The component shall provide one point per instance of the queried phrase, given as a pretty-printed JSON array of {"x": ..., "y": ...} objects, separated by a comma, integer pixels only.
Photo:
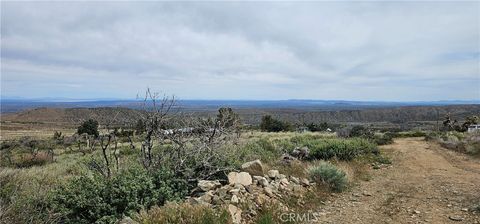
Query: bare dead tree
[
  {"x": 108, "y": 143},
  {"x": 105, "y": 141},
  {"x": 189, "y": 145},
  {"x": 198, "y": 147},
  {"x": 157, "y": 108},
  {"x": 115, "y": 154}
]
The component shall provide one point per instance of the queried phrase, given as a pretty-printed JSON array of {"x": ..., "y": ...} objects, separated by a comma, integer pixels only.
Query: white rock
[
  {"x": 273, "y": 173},
  {"x": 234, "y": 199},
  {"x": 242, "y": 178}
]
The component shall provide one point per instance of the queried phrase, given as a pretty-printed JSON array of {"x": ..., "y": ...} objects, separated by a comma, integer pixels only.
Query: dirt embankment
[{"x": 426, "y": 184}]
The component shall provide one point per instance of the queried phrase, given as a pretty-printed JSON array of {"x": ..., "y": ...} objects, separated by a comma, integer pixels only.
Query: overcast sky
[{"x": 354, "y": 51}]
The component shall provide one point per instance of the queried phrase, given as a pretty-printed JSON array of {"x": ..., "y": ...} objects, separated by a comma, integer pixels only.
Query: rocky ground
[
  {"x": 249, "y": 190},
  {"x": 425, "y": 184}
]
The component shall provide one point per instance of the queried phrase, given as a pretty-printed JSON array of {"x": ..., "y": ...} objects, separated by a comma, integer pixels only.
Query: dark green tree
[
  {"x": 469, "y": 121},
  {"x": 89, "y": 127},
  {"x": 271, "y": 124},
  {"x": 317, "y": 127}
]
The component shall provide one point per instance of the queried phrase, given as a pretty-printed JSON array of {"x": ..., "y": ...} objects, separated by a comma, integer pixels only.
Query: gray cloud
[{"x": 323, "y": 50}]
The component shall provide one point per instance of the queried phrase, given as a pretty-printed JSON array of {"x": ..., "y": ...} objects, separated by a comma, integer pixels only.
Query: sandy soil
[{"x": 425, "y": 184}]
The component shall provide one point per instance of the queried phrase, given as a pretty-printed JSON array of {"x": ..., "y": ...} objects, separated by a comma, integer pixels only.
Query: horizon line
[{"x": 68, "y": 100}]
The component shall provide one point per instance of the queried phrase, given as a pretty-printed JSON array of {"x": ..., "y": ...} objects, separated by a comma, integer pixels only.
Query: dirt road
[{"x": 425, "y": 184}]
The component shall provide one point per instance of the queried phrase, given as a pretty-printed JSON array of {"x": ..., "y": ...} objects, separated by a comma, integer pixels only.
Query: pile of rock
[
  {"x": 299, "y": 153},
  {"x": 251, "y": 188}
]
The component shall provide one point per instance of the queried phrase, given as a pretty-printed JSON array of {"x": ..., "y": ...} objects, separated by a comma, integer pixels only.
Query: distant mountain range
[
  {"x": 12, "y": 105},
  {"x": 122, "y": 115}
]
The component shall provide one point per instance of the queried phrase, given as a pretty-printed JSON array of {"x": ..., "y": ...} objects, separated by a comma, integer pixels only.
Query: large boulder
[
  {"x": 242, "y": 178},
  {"x": 207, "y": 185},
  {"x": 253, "y": 167}
]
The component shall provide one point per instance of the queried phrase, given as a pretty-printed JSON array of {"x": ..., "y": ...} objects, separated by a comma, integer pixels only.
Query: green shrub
[
  {"x": 271, "y": 124},
  {"x": 89, "y": 127},
  {"x": 343, "y": 149},
  {"x": 26, "y": 152},
  {"x": 355, "y": 131},
  {"x": 361, "y": 131},
  {"x": 304, "y": 139},
  {"x": 283, "y": 145},
  {"x": 384, "y": 139},
  {"x": 320, "y": 126},
  {"x": 262, "y": 149},
  {"x": 473, "y": 148},
  {"x": 328, "y": 174},
  {"x": 95, "y": 199},
  {"x": 265, "y": 218},
  {"x": 468, "y": 143},
  {"x": 382, "y": 159},
  {"x": 270, "y": 213},
  {"x": 410, "y": 134},
  {"x": 40, "y": 158}
]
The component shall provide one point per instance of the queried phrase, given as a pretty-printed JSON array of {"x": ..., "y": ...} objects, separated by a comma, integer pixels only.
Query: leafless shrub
[
  {"x": 26, "y": 152},
  {"x": 344, "y": 132},
  {"x": 191, "y": 146}
]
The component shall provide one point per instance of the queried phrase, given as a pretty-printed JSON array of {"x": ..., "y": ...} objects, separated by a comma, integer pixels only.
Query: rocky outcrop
[
  {"x": 301, "y": 152},
  {"x": 247, "y": 190}
]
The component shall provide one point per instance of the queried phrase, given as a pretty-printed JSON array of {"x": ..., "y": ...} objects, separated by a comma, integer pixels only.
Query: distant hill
[
  {"x": 121, "y": 115},
  {"x": 16, "y": 105},
  {"x": 73, "y": 116},
  {"x": 387, "y": 114}
]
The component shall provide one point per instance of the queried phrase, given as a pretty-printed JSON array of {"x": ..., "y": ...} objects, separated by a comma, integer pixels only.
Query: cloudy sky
[{"x": 354, "y": 51}]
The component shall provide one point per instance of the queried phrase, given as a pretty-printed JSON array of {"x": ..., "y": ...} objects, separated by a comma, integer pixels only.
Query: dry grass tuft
[{"x": 184, "y": 213}]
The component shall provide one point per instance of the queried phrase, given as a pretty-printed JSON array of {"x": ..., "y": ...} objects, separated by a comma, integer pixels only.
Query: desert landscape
[
  {"x": 240, "y": 112},
  {"x": 348, "y": 168}
]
